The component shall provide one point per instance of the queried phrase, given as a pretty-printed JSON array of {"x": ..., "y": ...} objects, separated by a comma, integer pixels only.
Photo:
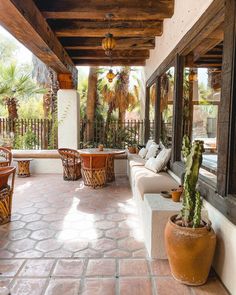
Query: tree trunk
[
  {"x": 121, "y": 116},
  {"x": 12, "y": 108},
  {"x": 109, "y": 113},
  {"x": 47, "y": 104},
  {"x": 91, "y": 102}
]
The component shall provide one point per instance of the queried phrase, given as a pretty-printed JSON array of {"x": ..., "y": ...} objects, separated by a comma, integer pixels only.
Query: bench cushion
[{"x": 147, "y": 181}]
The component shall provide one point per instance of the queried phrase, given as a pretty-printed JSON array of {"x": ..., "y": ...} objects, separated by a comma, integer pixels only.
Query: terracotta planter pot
[
  {"x": 132, "y": 150},
  {"x": 190, "y": 252},
  {"x": 8, "y": 147},
  {"x": 175, "y": 195}
]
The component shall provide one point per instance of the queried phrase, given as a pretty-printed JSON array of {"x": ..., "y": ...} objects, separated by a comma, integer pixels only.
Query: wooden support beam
[
  {"x": 116, "y": 54},
  {"x": 177, "y": 131},
  {"x": 226, "y": 172},
  {"x": 147, "y": 116},
  {"x": 75, "y": 28},
  {"x": 25, "y": 22},
  {"x": 210, "y": 42},
  {"x": 106, "y": 62},
  {"x": 158, "y": 110},
  {"x": 97, "y": 9},
  {"x": 65, "y": 81},
  {"x": 96, "y": 43}
]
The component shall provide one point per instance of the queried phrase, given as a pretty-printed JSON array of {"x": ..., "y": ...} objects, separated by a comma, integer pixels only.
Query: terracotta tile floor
[{"x": 67, "y": 239}]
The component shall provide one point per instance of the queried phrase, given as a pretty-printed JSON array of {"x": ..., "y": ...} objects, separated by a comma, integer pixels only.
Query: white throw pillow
[
  {"x": 152, "y": 151},
  {"x": 162, "y": 159},
  {"x": 142, "y": 153},
  {"x": 151, "y": 164},
  {"x": 149, "y": 143}
]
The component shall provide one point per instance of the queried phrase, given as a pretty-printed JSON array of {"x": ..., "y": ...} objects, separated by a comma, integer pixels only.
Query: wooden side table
[{"x": 23, "y": 167}]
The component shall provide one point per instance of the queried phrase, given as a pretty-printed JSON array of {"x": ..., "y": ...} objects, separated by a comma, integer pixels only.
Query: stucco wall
[
  {"x": 186, "y": 13},
  {"x": 225, "y": 256}
]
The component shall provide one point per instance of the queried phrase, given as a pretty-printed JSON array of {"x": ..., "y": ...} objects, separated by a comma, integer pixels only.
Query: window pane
[
  {"x": 152, "y": 102},
  {"x": 202, "y": 92},
  {"x": 166, "y": 106}
]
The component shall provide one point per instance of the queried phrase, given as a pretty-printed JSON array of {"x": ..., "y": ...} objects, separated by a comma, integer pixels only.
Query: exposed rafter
[
  {"x": 99, "y": 54},
  {"x": 97, "y": 9},
  {"x": 78, "y": 28},
  {"x": 106, "y": 62},
  {"x": 61, "y": 32},
  {"x": 96, "y": 43}
]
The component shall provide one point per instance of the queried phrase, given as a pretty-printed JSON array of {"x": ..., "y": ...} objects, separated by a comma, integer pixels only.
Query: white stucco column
[{"x": 68, "y": 118}]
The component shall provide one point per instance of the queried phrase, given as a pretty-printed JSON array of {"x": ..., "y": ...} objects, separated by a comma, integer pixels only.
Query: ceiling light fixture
[{"x": 109, "y": 43}]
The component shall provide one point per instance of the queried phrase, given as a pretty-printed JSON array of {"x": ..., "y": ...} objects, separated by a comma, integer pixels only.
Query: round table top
[
  {"x": 22, "y": 159},
  {"x": 95, "y": 151}
]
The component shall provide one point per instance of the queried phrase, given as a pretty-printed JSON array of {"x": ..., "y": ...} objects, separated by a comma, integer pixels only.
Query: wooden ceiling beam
[
  {"x": 25, "y": 22},
  {"x": 215, "y": 38},
  {"x": 100, "y": 54},
  {"x": 69, "y": 28},
  {"x": 96, "y": 43},
  {"x": 212, "y": 54},
  {"x": 105, "y": 62},
  {"x": 97, "y": 9}
]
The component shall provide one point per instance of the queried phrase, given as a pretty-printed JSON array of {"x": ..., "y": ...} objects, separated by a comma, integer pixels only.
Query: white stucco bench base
[{"x": 157, "y": 211}]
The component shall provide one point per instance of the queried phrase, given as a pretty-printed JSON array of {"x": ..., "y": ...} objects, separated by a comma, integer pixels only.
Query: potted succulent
[{"x": 190, "y": 241}]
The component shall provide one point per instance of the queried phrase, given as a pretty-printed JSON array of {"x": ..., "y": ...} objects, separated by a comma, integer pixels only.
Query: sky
[{"x": 23, "y": 55}]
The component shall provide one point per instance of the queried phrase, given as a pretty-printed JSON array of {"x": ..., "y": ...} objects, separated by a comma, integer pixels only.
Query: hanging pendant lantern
[
  {"x": 110, "y": 76},
  {"x": 193, "y": 76},
  {"x": 108, "y": 44}
]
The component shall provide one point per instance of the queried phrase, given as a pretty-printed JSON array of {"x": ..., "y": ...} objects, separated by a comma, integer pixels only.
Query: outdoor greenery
[
  {"x": 28, "y": 91},
  {"x": 15, "y": 87},
  {"x": 20, "y": 96},
  {"x": 112, "y": 100}
]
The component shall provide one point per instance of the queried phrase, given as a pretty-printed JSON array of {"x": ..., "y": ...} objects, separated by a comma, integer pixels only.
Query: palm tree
[
  {"x": 91, "y": 101},
  {"x": 15, "y": 86},
  {"x": 47, "y": 78},
  {"x": 119, "y": 95}
]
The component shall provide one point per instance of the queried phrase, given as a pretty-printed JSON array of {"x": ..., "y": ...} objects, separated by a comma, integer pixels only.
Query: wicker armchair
[
  {"x": 6, "y": 192},
  {"x": 94, "y": 170},
  {"x": 5, "y": 157},
  {"x": 71, "y": 164}
]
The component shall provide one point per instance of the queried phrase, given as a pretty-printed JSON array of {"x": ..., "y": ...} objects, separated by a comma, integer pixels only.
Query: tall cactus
[
  {"x": 191, "y": 211},
  {"x": 186, "y": 147}
]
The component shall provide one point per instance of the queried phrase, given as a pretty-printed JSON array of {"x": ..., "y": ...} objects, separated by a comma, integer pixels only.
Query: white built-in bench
[
  {"x": 48, "y": 161},
  {"x": 156, "y": 213}
]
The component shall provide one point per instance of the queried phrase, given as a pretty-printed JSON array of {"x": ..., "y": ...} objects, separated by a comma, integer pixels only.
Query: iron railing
[{"x": 113, "y": 134}]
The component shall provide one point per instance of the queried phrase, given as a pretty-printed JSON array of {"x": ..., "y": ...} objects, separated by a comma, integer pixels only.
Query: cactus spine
[{"x": 192, "y": 204}]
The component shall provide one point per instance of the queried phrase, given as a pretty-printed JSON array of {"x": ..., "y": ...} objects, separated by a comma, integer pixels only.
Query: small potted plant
[
  {"x": 176, "y": 193},
  {"x": 132, "y": 149},
  {"x": 190, "y": 241},
  {"x": 100, "y": 147}
]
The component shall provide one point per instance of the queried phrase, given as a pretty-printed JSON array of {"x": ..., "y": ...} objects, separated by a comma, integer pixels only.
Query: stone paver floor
[{"x": 67, "y": 239}]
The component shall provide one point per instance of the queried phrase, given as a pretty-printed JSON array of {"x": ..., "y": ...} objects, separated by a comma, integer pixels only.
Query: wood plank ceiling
[{"x": 81, "y": 25}]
